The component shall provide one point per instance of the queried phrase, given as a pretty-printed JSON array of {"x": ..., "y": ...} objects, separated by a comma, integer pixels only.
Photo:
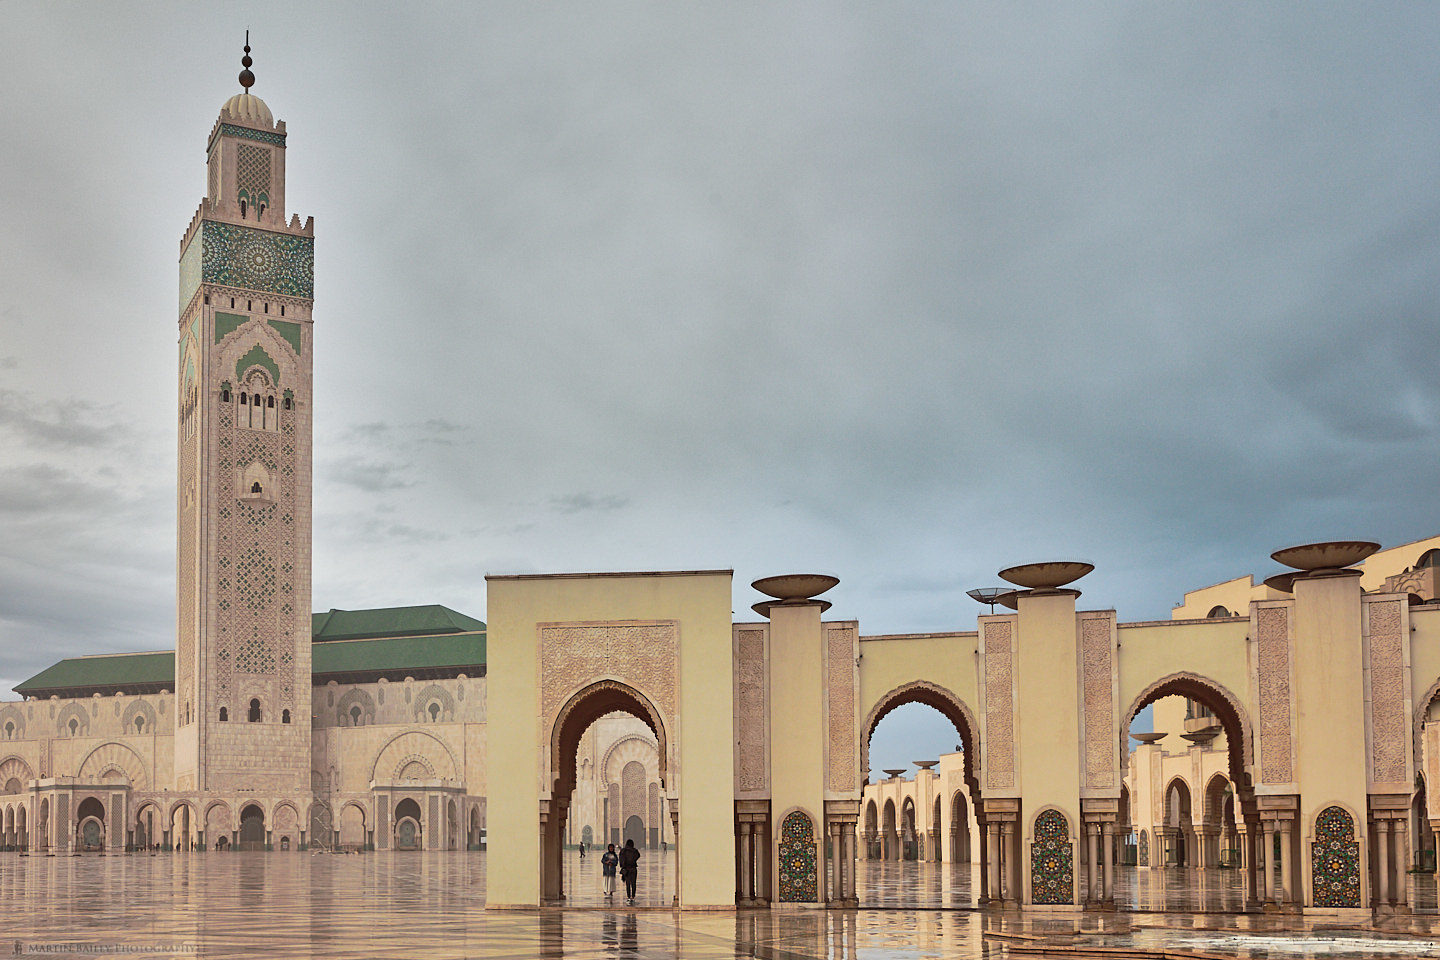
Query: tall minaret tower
[{"x": 242, "y": 664}]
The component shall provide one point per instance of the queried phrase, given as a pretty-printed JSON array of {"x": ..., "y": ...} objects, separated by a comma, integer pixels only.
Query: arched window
[
  {"x": 270, "y": 402},
  {"x": 225, "y": 394},
  {"x": 262, "y": 210},
  {"x": 284, "y": 716},
  {"x": 242, "y": 209},
  {"x": 289, "y": 403},
  {"x": 74, "y": 725},
  {"x": 434, "y": 711},
  {"x": 256, "y": 400},
  {"x": 254, "y": 711},
  {"x": 1218, "y": 611},
  {"x": 9, "y": 730},
  {"x": 224, "y": 714},
  {"x": 139, "y": 724},
  {"x": 255, "y": 487},
  {"x": 355, "y": 715},
  {"x": 1430, "y": 558},
  {"x": 244, "y": 399}
]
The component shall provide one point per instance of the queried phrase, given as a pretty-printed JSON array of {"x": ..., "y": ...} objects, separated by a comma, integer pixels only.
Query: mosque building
[
  {"x": 268, "y": 727},
  {"x": 1296, "y": 722}
]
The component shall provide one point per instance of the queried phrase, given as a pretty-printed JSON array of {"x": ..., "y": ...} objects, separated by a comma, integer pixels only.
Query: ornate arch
[
  {"x": 225, "y": 822},
  {"x": 1228, "y": 709},
  {"x": 114, "y": 756},
  {"x": 138, "y": 708},
  {"x": 583, "y": 708},
  {"x": 12, "y": 714},
  {"x": 932, "y": 695},
  {"x": 1052, "y": 858},
  {"x": 434, "y": 693},
  {"x": 800, "y": 869},
  {"x": 604, "y": 768},
  {"x": 72, "y": 711},
  {"x": 1421, "y": 708},
  {"x": 414, "y": 743},
  {"x": 355, "y": 696},
  {"x": 13, "y": 768},
  {"x": 1213, "y": 800}
]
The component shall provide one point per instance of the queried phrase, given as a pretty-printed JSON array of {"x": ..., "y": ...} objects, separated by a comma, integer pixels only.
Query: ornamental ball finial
[{"x": 247, "y": 79}]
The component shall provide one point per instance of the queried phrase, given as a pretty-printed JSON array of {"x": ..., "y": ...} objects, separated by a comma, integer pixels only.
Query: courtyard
[{"x": 433, "y": 905}]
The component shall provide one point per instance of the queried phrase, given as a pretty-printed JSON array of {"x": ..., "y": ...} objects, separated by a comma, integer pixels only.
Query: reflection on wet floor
[{"x": 432, "y": 905}]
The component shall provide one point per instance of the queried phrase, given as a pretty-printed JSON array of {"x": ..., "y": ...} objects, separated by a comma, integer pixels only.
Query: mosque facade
[{"x": 266, "y": 727}]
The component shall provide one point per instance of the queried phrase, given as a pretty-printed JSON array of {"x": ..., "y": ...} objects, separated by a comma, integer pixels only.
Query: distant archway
[
  {"x": 252, "y": 828},
  {"x": 407, "y": 825}
]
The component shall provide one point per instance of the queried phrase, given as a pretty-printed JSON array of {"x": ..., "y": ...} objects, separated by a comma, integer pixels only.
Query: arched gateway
[{"x": 763, "y": 726}]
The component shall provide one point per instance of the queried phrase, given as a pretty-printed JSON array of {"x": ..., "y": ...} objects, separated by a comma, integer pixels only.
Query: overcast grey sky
[{"x": 903, "y": 293}]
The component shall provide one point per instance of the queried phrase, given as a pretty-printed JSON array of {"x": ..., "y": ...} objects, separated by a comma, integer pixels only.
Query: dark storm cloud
[{"x": 907, "y": 294}]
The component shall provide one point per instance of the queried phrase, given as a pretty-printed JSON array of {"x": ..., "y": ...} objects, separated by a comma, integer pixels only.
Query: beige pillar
[
  {"x": 850, "y": 863},
  {"x": 1267, "y": 857},
  {"x": 1402, "y": 861},
  {"x": 1107, "y": 881},
  {"x": 1092, "y": 861},
  {"x": 837, "y": 873},
  {"x": 1287, "y": 890},
  {"x": 992, "y": 860},
  {"x": 1007, "y": 842},
  {"x": 746, "y": 893},
  {"x": 1382, "y": 830}
]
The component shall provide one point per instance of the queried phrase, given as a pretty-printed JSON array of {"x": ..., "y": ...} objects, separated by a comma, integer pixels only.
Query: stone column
[
  {"x": 747, "y": 869},
  {"x": 992, "y": 861},
  {"x": 1092, "y": 862},
  {"x": 1107, "y": 878},
  {"x": 834, "y": 894},
  {"x": 1011, "y": 891},
  {"x": 1382, "y": 830},
  {"x": 1287, "y": 890},
  {"x": 1267, "y": 846},
  {"x": 1402, "y": 862},
  {"x": 850, "y": 865}
]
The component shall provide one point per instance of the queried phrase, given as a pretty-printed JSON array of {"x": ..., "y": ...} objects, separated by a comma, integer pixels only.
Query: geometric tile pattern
[
  {"x": 1335, "y": 859},
  {"x": 1143, "y": 856},
  {"x": 1051, "y": 860},
  {"x": 258, "y": 259},
  {"x": 252, "y": 173},
  {"x": 231, "y": 130},
  {"x": 799, "y": 878}
]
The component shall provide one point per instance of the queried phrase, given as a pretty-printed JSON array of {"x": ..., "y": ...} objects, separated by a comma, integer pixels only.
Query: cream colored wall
[
  {"x": 704, "y": 780},
  {"x": 1234, "y": 595},
  {"x": 1215, "y": 649},
  {"x": 41, "y": 728},
  {"x": 1424, "y": 654},
  {"x": 1387, "y": 563},
  {"x": 949, "y": 660},
  {"x": 798, "y": 734}
]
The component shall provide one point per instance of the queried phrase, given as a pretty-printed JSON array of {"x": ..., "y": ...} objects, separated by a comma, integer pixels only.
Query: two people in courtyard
[{"x": 627, "y": 861}]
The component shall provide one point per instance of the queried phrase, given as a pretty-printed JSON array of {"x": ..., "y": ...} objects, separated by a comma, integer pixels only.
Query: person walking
[
  {"x": 608, "y": 860},
  {"x": 629, "y": 867},
  {"x": 582, "y": 849}
]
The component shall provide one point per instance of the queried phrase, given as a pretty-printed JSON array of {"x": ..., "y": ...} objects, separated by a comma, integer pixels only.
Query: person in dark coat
[
  {"x": 629, "y": 868},
  {"x": 608, "y": 860}
]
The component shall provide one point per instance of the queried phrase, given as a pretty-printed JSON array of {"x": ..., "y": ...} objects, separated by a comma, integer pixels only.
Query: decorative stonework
[
  {"x": 252, "y": 173},
  {"x": 263, "y": 136},
  {"x": 1272, "y": 657},
  {"x": 1335, "y": 859},
  {"x": 999, "y": 703},
  {"x": 1052, "y": 879},
  {"x": 257, "y": 259},
  {"x": 1142, "y": 856},
  {"x": 1389, "y": 718},
  {"x": 750, "y": 772},
  {"x": 841, "y": 709},
  {"x": 644, "y": 656},
  {"x": 799, "y": 874},
  {"x": 1097, "y": 666}
]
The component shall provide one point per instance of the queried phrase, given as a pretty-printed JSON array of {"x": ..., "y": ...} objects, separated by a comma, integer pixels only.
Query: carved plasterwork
[
  {"x": 1272, "y": 682},
  {"x": 997, "y": 648},
  {"x": 1097, "y": 685},
  {"x": 1389, "y": 710},
  {"x": 644, "y": 655},
  {"x": 841, "y": 692},
  {"x": 752, "y": 774}
]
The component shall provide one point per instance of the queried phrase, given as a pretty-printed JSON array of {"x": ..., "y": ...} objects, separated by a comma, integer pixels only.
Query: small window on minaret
[
  {"x": 284, "y": 716},
  {"x": 242, "y": 209},
  {"x": 254, "y": 711},
  {"x": 244, "y": 399},
  {"x": 255, "y": 399},
  {"x": 224, "y": 715},
  {"x": 262, "y": 211},
  {"x": 267, "y": 307},
  {"x": 270, "y": 402},
  {"x": 282, "y": 309},
  {"x": 256, "y": 488},
  {"x": 225, "y": 394},
  {"x": 288, "y": 403}
]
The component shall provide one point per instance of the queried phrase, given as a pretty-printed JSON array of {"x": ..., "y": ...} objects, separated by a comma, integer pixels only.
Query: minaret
[{"x": 242, "y": 665}]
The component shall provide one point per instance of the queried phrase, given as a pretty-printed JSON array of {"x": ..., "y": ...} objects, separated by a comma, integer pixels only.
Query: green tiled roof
[
  {"x": 426, "y": 620},
  {"x": 420, "y": 642},
  {"x": 106, "y": 673}
]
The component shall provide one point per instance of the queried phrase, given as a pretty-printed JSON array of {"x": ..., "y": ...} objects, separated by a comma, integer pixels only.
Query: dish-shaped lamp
[
  {"x": 795, "y": 587},
  {"x": 1330, "y": 555},
  {"x": 1049, "y": 575}
]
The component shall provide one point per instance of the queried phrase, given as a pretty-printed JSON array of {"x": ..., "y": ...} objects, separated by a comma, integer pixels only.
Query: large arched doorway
[
  {"x": 872, "y": 831},
  {"x": 407, "y": 825},
  {"x": 583, "y": 709},
  {"x": 252, "y": 828},
  {"x": 935, "y": 870},
  {"x": 90, "y": 825},
  {"x": 1205, "y": 725}
]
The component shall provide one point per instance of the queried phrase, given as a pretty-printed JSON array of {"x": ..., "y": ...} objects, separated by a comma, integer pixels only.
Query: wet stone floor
[{"x": 433, "y": 905}]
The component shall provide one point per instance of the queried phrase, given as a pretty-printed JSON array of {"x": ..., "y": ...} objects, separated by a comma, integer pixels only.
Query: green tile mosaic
[
  {"x": 257, "y": 355},
  {"x": 258, "y": 259},
  {"x": 190, "y": 262},
  {"x": 234, "y": 130},
  {"x": 290, "y": 331},
  {"x": 227, "y": 323}
]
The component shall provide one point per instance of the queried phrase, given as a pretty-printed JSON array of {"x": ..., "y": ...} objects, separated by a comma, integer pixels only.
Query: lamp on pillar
[
  {"x": 793, "y": 589},
  {"x": 1047, "y": 577},
  {"x": 1330, "y": 558}
]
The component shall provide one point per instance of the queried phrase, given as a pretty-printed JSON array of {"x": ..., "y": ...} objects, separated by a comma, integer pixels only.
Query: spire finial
[{"x": 247, "y": 79}]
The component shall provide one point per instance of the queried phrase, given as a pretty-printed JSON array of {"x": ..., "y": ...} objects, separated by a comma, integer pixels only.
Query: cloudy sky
[{"x": 903, "y": 293}]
